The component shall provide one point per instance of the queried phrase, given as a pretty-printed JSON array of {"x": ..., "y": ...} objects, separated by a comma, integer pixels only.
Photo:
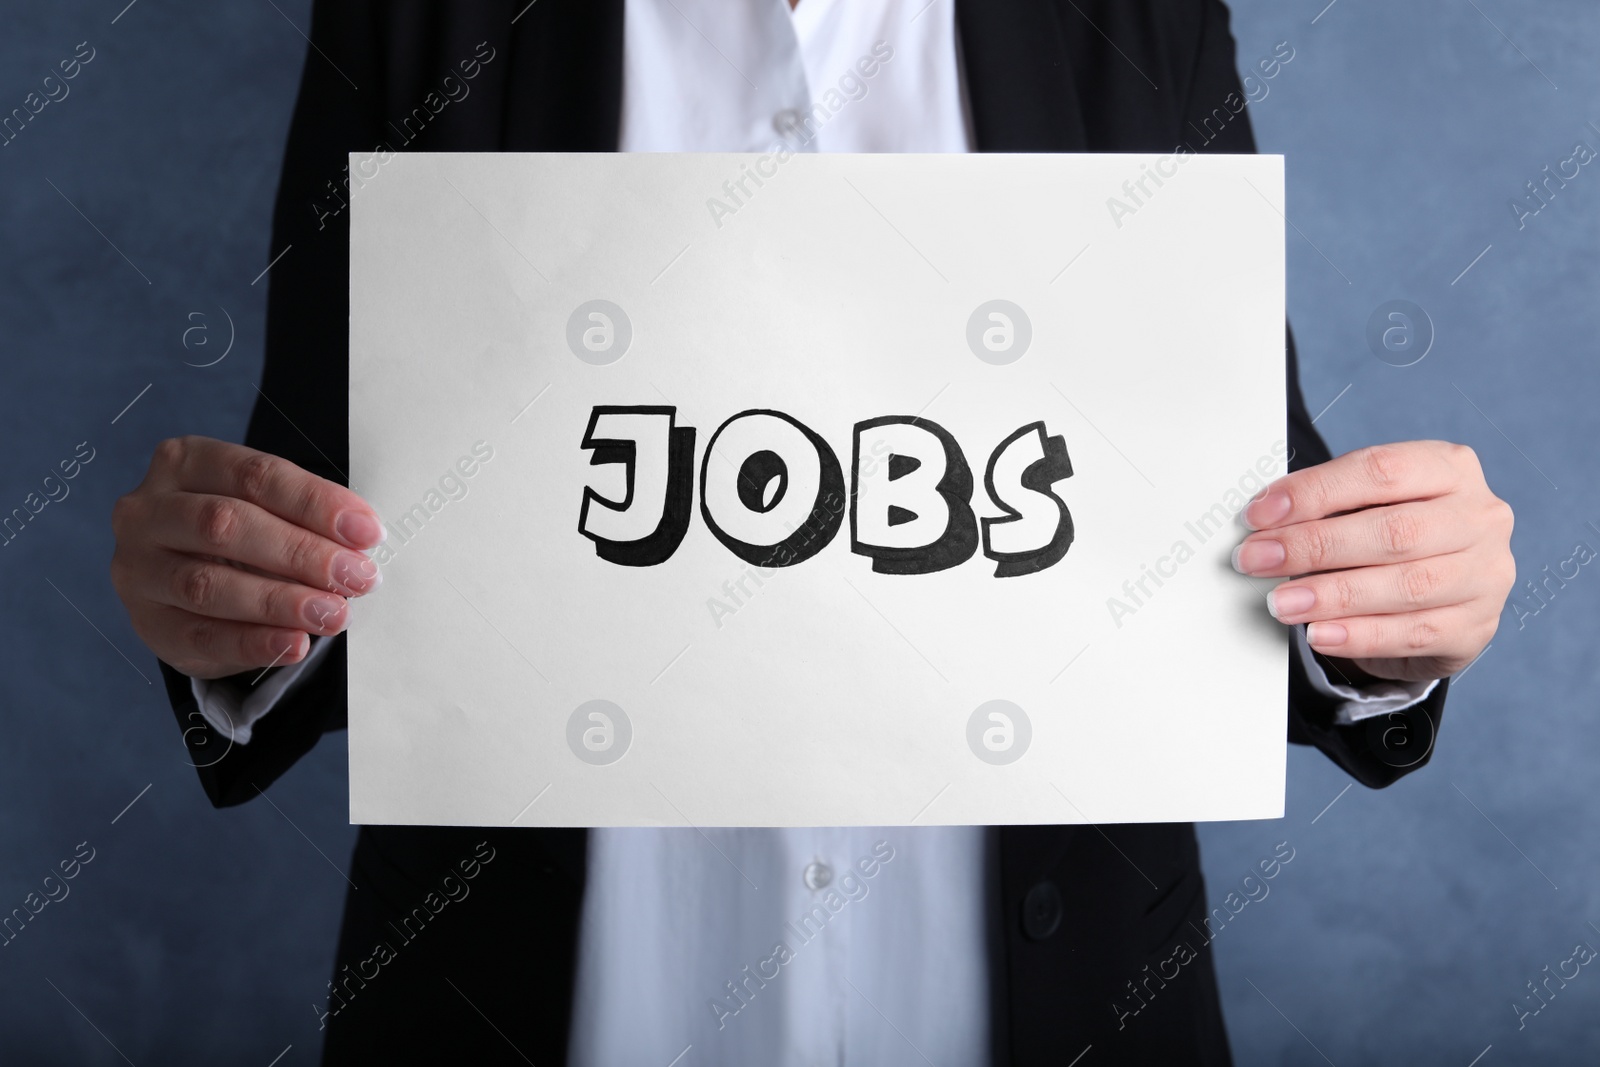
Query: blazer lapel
[
  {"x": 1019, "y": 78},
  {"x": 545, "y": 76},
  {"x": 564, "y": 92}
]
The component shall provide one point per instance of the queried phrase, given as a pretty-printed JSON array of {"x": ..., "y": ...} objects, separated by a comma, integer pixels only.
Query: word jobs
[{"x": 773, "y": 493}]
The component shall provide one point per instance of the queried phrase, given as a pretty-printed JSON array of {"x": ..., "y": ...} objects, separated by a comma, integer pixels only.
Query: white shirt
[
  {"x": 775, "y": 947},
  {"x": 672, "y": 917}
]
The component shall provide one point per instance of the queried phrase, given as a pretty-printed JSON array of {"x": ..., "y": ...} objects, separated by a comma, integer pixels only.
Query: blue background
[{"x": 1409, "y": 919}]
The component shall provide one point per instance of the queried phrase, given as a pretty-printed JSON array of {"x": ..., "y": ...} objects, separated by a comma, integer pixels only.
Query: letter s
[{"x": 1037, "y": 536}]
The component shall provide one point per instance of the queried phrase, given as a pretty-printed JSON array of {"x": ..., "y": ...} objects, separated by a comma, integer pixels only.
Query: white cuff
[
  {"x": 232, "y": 709},
  {"x": 1378, "y": 698}
]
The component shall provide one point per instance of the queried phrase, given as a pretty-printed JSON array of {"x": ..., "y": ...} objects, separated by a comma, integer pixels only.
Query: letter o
[{"x": 808, "y": 474}]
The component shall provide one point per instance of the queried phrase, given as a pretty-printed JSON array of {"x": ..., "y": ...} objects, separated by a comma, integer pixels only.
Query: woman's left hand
[{"x": 1402, "y": 553}]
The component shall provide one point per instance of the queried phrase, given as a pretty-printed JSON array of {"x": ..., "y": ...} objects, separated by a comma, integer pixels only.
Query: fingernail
[
  {"x": 1326, "y": 634},
  {"x": 289, "y": 647},
  {"x": 1253, "y": 557},
  {"x": 322, "y": 612},
  {"x": 1290, "y": 600},
  {"x": 360, "y": 529},
  {"x": 1266, "y": 510},
  {"x": 356, "y": 573}
]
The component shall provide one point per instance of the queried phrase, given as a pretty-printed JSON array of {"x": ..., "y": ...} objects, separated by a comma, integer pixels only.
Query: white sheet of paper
[{"x": 1141, "y": 678}]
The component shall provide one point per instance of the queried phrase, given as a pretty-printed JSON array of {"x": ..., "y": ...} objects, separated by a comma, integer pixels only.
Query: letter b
[{"x": 913, "y": 515}]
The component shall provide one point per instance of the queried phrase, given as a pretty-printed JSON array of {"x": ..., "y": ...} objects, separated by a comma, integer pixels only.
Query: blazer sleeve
[
  {"x": 301, "y": 407},
  {"x": 1377, "y": 751}
]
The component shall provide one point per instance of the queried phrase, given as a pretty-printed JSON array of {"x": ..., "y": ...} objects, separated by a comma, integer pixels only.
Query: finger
[
  {"x": 200, "y": 524},
  {"x": 203, "y": 647},
  {"x": 1372, "y": 537},
  {"x": 1442, "y": 633},
  {"x": 216, "y": 590},
  {"x": 1438, "y": 581},
  {"x": 205, "y": 465},
  {"x": 1382, "y": 474}
]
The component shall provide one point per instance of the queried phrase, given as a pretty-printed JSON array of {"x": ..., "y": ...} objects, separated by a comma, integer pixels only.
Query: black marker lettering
[{"x": 658, "y": 462}]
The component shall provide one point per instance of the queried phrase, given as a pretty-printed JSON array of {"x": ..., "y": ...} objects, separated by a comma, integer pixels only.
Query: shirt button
[
  {"x": 1041, "y": 911},
  {"x": 786, "y": 121},
  {"x": 817, "y": 875}
]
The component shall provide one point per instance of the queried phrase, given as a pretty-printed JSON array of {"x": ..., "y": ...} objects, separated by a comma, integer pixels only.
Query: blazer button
[{"x": 1041, "y": 911}]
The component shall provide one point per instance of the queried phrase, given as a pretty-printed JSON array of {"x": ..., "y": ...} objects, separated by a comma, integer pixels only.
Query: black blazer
[{"x": 1077, "y": 914}]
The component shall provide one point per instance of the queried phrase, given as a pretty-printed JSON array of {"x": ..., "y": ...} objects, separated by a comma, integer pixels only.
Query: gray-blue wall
[
  {"x": 1408, "y": 921},
  {"x": 1411, "y": 919}
]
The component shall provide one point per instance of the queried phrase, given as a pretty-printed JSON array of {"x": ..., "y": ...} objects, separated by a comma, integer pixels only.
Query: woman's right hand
[{"x": 227, "y": 558}]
